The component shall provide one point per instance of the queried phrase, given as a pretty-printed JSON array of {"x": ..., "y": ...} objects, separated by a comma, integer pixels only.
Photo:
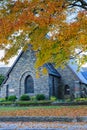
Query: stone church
[{"x": 61, "y": 83}]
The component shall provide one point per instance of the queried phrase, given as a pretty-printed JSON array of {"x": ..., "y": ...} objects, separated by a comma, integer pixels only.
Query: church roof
[
  {"x": 20, "y": 54},
  {"x": 11, "y": 68},
  {"x": 81, "y": 74},
  {"x": 84, "y": 73},
  {"x": 52, "y": 70}
]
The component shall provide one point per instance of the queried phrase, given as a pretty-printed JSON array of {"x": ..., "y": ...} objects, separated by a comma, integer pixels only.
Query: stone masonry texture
[{"x": 23, "y": 68}]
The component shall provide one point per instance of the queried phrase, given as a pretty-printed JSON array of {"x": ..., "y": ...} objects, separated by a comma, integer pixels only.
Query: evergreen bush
[
  {"x": 40, "y": 97},
  {"x": 25, "y": 97},
  {"x": 12, "y": 98}
]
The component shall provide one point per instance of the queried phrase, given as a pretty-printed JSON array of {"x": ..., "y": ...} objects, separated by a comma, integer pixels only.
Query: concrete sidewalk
[
  {"x": 42, "y": 126},
  {"x": 43, "y": 123}
]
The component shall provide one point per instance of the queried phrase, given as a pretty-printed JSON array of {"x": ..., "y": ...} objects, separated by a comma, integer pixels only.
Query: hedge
[
  {"x": 33, "y": 103},
  {"x": 6, "y": 103},
  {"x": 26, "y": 103}
]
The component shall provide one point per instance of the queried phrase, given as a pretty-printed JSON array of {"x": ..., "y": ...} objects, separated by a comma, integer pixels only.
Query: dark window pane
[
  {"x": 29, "y": 84},
  {"x": 67, "y": 90}
]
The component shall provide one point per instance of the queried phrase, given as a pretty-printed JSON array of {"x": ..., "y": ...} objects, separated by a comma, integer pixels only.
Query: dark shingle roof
[
  {"x": 80, "y": 74},
  {"x": 52, "y": 70}
]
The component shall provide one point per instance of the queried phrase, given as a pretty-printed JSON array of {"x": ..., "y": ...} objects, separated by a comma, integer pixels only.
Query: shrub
[
  {"x": 12, "y": 98},
  {"x": 33, "y": 98},
  {"x": 40, "y": 97},
  {"x": 24, "y": 97},
  {"x": 80, "y": 99},
  {"x": 53, "y": 98},
  {"x": 2, "y": 99}
]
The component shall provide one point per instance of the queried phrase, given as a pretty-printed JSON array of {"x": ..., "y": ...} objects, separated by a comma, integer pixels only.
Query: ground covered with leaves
[{"x": 71, "y": 111}]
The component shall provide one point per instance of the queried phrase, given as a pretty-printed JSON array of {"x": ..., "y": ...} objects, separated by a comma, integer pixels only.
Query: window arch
[{"x": 29, "y": 84}]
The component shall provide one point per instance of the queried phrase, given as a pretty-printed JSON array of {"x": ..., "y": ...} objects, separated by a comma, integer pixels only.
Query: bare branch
[{"x": 78, "y": 3}]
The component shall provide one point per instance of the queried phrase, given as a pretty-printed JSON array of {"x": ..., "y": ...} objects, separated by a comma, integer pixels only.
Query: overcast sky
[{"x": 2, "y": 64}]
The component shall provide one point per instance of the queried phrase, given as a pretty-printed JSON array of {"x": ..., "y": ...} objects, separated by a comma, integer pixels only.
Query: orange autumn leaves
[
  {"x": 36, "y": 18},
  {"x": 62, "y": 111},
  {"x": 23, "y": 14}
]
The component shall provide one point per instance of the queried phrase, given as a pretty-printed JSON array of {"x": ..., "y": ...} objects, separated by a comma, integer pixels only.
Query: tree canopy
[{"x": 45, "y": 24}]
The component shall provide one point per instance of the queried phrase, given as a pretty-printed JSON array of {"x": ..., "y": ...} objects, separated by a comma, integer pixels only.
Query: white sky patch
[
  {"x": 11, "y": 61},
  {"x": 2, "y": 64},
  {"x": 85, "y": 65}
]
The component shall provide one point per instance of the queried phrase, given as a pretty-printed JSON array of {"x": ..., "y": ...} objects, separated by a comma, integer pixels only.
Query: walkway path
[{"x": 42, "y": 126}]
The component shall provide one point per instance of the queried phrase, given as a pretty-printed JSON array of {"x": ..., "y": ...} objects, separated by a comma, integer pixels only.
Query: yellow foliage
[
  {"x": 36, "y": 18},
  {"x": 44, "y": 71},
  {"x": 37, "y": 74}
]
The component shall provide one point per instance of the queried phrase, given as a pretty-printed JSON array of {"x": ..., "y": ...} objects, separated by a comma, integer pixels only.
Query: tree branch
[{"x": 78, "y": 3}]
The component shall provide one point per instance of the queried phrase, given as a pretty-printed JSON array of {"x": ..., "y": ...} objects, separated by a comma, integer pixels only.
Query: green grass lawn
[
  {"x": 11, "y": 108},
  {"x": 44, "y": 111},
  {"x": 26, "y": 108}
]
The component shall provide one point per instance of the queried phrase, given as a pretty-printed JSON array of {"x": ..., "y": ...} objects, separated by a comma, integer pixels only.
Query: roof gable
[
  {"x": 52, "y": 70},
  {"x": 11, "y": 68},
  {"x": 80, "y": 74}
]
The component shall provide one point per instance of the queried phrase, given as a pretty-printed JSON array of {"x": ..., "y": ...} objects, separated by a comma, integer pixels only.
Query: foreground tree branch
[{"x": 27, "y": 22}]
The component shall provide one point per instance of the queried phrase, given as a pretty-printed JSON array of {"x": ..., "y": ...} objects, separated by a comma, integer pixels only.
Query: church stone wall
[
  {"x": 4, "y": 70},
  {"x": 68, "y": 78},
  {"x": 23, "y": 68}
]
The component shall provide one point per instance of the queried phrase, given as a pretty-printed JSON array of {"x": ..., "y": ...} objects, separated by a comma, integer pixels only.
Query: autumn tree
[{"x": 45, "y": 24}]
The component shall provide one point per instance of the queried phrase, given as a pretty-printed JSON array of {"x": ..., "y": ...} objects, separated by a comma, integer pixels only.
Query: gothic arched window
[{"x": 29, "y": 84}]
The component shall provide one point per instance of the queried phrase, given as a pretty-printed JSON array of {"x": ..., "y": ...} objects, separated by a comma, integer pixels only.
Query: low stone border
[
  {"x": 43, "y": 119},
  {"x": 68, "y": 103},
  {"x": 43, "y": 103}
]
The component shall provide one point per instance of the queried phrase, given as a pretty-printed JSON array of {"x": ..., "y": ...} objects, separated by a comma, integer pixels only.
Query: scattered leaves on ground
[{"x": 61, "y": 111}]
